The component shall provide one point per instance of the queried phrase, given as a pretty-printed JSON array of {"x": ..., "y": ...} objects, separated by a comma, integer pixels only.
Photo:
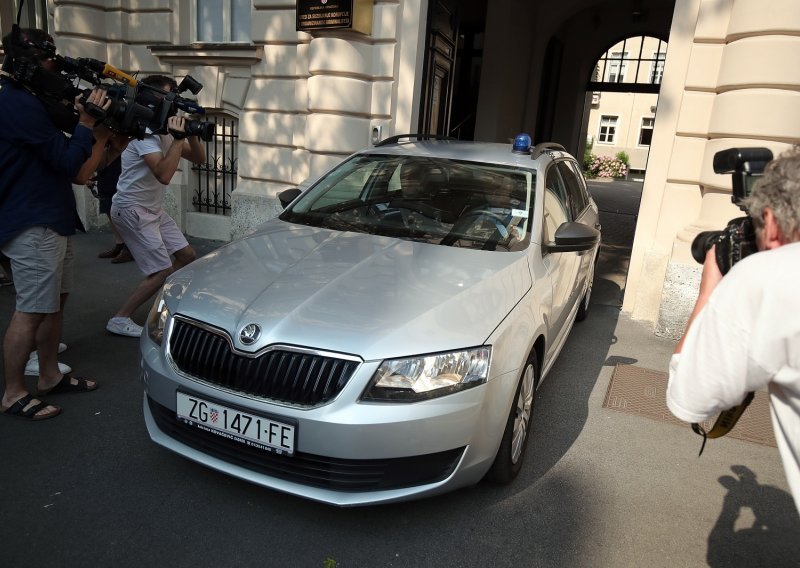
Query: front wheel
[{"x": 509, "y": 457}]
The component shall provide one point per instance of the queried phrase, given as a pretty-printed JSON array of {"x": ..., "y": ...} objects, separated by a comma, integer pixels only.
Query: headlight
[
  {"x": 428, "y": 376},
  {"x": 157, "y": 318}
]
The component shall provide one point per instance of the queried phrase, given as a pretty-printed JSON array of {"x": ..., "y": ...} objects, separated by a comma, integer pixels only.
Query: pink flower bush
[{"x": 606, "y": 167}]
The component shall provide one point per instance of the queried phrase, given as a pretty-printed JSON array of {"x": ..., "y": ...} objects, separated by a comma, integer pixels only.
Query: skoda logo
[{"x": 250, "y": 333}]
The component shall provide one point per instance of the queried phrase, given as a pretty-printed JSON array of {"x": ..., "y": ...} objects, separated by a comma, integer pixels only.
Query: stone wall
[{"x": 730, "y": 80}]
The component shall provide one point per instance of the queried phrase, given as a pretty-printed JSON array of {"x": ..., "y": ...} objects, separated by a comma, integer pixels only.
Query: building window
[
  {"x": 616, "y": 66},
  {"x": 608, "y": 129},
  {"x": 657, "y": 67},
  {"x": 637, "y": 61},
  {"x": 216, "y": 179},
  {"x": 33, "y": 14},
  {"x": 222, "y": 21},
  {"x": 646, "y": 132}
]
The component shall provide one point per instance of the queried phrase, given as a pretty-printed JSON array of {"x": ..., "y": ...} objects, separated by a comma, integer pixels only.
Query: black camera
[
  {"x": 200, "y": 128},
  {"x": 136, "y": 107},
  {"x": 738, "y": 239}
]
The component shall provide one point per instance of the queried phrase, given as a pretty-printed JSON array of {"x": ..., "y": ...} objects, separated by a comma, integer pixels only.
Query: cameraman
[
  {"x": 38, "y": 164},
  {"x": 744, "y": 332},
  {"x": 138, "y": 212}
]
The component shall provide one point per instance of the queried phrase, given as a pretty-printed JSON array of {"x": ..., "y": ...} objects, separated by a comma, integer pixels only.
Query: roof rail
[
  {"x": 542, "y": 147},
  {"x": 395, "y": 139}
]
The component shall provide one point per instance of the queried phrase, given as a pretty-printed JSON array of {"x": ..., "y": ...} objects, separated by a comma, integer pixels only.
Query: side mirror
[
  {"x": 574, "y": 237},
  {"x": 288, "y": 195}
]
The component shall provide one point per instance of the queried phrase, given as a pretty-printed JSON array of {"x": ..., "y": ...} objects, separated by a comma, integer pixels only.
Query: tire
[{"x": 510, "y": 455}]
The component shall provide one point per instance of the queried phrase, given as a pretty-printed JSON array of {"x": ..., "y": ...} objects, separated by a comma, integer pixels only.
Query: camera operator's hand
[
  {"x": 176, "y": 127},
  {"x": 97, "y": 98},
  {"x": 711, "y": 274}
]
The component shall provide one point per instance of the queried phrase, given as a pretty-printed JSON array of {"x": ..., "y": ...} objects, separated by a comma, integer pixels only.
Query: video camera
[
  {"x": 136, "y": 107},
  {"x": 738, "y": 239}
]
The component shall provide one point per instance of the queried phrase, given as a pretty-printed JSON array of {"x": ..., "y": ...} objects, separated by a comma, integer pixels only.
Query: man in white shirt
[
  {"x": 744, "y": 332},
  {"x": 138, "y": 209}
]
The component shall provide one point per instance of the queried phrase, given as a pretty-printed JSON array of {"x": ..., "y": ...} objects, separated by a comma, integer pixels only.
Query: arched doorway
[{"x": 622, "y": 100}]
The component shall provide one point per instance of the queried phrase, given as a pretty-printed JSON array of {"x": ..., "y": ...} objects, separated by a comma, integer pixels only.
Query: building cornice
[{"x": 229, "y": 54}]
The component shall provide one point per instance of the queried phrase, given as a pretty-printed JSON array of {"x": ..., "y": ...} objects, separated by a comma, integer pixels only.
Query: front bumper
[{"x": 347, "y": 452}]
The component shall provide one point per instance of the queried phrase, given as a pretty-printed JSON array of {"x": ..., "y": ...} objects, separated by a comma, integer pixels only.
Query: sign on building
[{"x": 353, "y": 15}]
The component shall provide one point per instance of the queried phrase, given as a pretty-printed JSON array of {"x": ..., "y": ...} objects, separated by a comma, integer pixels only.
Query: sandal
[
  {"x": 65, "y": 385},
  {"x": 23, "y": 409}
]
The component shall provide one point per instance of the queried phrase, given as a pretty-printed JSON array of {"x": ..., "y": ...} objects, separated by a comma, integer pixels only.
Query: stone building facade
[{"x": 301, "y": 102}]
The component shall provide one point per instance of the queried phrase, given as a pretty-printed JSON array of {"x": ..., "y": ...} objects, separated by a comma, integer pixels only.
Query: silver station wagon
[{"x": 383, "y": 338}]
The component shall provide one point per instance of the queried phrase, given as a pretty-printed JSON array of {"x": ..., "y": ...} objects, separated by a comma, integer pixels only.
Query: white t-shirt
[
  {"x": 137, "y": 184},
  {"x": 747, "y": 337}
]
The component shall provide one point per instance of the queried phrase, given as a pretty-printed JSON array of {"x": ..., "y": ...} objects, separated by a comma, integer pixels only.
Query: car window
[
  {"x": 578, "y": 200},
  {"x": 435, "y": 200},
  {"x": 579, "y": 174},
  {"x": 556, "y": 204}
]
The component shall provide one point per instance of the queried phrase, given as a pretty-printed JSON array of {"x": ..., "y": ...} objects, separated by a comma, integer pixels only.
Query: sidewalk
[{"x": 599, "y": 487}]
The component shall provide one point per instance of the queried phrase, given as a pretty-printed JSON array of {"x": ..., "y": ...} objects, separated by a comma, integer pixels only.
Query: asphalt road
[{"x": 599, "y": 487}]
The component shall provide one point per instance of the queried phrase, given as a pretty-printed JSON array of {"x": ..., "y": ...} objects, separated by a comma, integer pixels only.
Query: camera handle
[{"x": 724, "y": 423}]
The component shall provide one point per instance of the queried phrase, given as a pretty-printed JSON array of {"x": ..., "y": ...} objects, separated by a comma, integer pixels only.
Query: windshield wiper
[{"x": 337, "y": 223}]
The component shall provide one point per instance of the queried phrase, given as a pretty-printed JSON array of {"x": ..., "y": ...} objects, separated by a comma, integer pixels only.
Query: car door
[
  {"x": 562, "y": 267},
  {"x": 581, "y": 212}
]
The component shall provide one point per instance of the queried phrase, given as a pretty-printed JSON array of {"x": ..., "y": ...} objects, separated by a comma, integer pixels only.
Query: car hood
[{"x": 366, "y": 295}]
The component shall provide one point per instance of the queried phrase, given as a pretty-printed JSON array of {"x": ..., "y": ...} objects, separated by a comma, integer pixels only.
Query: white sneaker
[
  {"x": 35, "y": 354},
  {"x": 32, "y": 367},
  {"x": 124, "y": 326}
]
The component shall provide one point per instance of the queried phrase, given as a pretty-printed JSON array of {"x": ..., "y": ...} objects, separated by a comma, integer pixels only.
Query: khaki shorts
[
  {"x": 42, "y": 268},
  {"x": 151, "y": 236}
]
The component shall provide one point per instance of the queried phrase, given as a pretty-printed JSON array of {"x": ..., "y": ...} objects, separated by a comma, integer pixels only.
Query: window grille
[
  {"x": 216, "y": 179},
  {"x": 657, "y": 67},
  {"x": 617, "y": 64},
  {"x": 635, "y": 65}
]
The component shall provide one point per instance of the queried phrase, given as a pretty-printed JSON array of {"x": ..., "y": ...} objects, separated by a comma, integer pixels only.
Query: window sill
[{"x": 234, "y": 54}]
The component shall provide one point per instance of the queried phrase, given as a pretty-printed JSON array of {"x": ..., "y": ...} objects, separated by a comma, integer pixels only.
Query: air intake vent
[{"x": 281, "y": 375}]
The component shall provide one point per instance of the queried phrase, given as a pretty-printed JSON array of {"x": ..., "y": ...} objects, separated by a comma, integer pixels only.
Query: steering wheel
[{"x": 460, "y": 229}]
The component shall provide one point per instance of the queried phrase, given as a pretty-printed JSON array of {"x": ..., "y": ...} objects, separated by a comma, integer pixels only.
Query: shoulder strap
[{"x": 724, "y": 423}]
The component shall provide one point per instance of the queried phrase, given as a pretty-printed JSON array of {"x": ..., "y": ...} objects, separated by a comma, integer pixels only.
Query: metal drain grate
[{"x": 641, "y": 391}]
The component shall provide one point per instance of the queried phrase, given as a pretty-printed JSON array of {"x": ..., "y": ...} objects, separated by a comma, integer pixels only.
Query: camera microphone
[{"x": 106, "y": 70}]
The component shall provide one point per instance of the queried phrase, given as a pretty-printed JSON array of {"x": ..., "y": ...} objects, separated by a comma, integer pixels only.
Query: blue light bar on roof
[{"x": 522, "y": 144}]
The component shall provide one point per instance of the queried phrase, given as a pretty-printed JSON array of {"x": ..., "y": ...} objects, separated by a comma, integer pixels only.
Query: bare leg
[
  {"x": 184, "y": 257},
  {"x": 143, "y": 292},
  {"x": 117, "y": 237},
  {"x": 19, "y": 341},
  {"x": 151, "y": 284}
]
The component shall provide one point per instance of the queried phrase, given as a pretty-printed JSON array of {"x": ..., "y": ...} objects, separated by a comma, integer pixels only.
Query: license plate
[{"x": 243, "y": 427}]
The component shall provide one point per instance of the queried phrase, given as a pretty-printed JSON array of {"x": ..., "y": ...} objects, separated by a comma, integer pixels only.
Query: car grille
[
  {"x": 308, "y": 469},
  {"x": 281, "y": 375}
]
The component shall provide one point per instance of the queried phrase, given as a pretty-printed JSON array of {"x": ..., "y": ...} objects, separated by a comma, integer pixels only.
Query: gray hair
[{"x": 779, "y": 189}]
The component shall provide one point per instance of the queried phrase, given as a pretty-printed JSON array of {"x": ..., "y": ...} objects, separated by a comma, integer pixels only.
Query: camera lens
[
  {"x": 203, "y": 130},
  {"x": 702, "y": 242}
]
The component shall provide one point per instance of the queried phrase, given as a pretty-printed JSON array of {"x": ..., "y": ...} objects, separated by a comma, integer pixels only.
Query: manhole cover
[{"x": 641, "y": 391}]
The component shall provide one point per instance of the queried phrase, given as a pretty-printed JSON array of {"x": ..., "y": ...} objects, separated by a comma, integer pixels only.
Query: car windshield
[{"x": 434, "y": 200}]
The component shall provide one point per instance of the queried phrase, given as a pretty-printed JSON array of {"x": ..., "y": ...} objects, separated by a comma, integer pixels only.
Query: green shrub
[
  {"x": 624, "y": 158},
  {"x": 588, "y": 157}
]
